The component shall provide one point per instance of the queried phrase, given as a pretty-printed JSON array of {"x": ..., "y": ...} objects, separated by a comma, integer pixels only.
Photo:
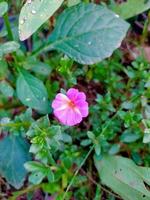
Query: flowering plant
[{"x": 74, "y": 106}]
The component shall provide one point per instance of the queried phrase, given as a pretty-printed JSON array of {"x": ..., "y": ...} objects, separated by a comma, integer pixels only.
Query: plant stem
[
  {"x": 17, "y": 124},
  {"x": 8, "y": 27},
  {"x": 24, "y": 191},
  {"x": 41, "y": 49},
  {"x": 75, "y": 174}
]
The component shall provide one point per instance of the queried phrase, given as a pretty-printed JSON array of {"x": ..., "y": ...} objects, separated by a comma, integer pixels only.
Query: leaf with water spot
[
  {"x": 130, "y": 8},
  {"x": 32, "y": 92},
  {"x": 124, "y": 177},
  {"x": 88, "y": 33},
  {"x": 34, "y": 14}
]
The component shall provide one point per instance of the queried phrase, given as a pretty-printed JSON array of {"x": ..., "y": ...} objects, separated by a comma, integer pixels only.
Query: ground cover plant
[{"x": 74, "y": 100}]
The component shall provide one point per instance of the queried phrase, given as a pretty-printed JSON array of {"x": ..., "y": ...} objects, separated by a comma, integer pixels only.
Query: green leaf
[
  {"x": 88, "y": 33},
  {"x": 36, "y": 177},
  {"x": 6, "y": 89},
  {"x": 130, "y": 8},
  {"x": 32, "y": 92},
  {"x": 129, "y": 137},
  {"x": 34, "y": 166},
  {"x": 114, "y": 149},
  {"x": 124, "y": 177},
  {"x": 3, "y": 69},
  {"x": 8, "y": 47},
  {"x": 37, "y": 67},
  {"x": 72, "y": 2},
  {"x": 39, "y": 171},
  {"x": 3, "y": 8},
  {"x": 146, "y": 138},
  {"x": 34, "y": 14},
  {"x": 12, "y": 160}
]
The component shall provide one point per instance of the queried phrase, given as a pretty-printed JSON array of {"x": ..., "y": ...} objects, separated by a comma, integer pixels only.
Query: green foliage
[
  {"x": 116, "y": 170},
  {"x": 3, "y": 8},
  {"x": 117, "y": 91},
  {"x": 34, "y": 14},
  {"x": 130, "y": 8},
  {"x": 14, "y": 153},
  {"x": 92, "y": 43},
  {"x": 8, "y": 47},
  {"x": 6, "y": 89},
  {"x": 32, "y": 92}
]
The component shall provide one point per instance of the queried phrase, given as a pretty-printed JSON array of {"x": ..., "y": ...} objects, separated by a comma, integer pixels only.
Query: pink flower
[{"x": 69, "y": 109}]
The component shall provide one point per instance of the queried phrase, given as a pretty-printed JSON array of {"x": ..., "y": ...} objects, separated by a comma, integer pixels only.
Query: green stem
[
  {"x": 42, "y": 48},
  {"x": 26, "y": 190},
  {"x": 17, "y": 124},
  {"x": 77, "y": 171},
  {"x": 145, "y": 30},
  {"x": 8, "y": 27}
]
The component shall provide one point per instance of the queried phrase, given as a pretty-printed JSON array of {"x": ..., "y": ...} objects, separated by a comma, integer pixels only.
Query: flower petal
[
  {"x": 68, "y": 117},
  {"x": 60, "y": 102},
  {"x": 83, "y": 107},
  {"x": 72, "y": 94}
]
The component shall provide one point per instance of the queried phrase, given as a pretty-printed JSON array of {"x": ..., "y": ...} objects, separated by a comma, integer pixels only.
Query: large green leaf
[
  {"x": 14, "y": 152},
  {"x": 34, "y": 14},
  {"x": 88, "y": 33},
  {"x": 3, "y": 8},
  {"x": 124, "y": 177},
  {"x": 32, "y": 92},
  {"x": 130, "y": 8}
]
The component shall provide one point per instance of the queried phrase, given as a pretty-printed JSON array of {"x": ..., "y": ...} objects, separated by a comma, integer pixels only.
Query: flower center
[{"x": 71, "y": 104}]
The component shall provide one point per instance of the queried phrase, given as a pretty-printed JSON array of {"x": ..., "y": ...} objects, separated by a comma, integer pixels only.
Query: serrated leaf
[
  {"x": 34, "y": 14},
  {"x": 3, "y": 8},
  {"x": 88, "y": 33},
  {"x": 12, "y": 160},
  {"x": 124, "y": 177},
  {"x": 32, "y": 92},
  {"x": 130, "y": 8}
]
